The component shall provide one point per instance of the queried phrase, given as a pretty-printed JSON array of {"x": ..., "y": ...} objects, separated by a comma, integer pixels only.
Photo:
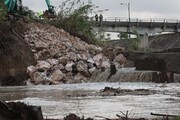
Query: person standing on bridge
[
  {"x": 101, "y": 17},
  {"x": 96, "y": 17}
]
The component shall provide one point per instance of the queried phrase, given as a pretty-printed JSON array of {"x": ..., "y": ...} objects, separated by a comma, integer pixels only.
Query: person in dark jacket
[
  {"x": 101, "y": 17},
  {"x": 96, "y": 17}
]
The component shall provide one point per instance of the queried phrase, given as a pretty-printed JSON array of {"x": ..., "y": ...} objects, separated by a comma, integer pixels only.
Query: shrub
[
  {"x": 73, "y": 17},
  {"x": 2, "y": 11}
]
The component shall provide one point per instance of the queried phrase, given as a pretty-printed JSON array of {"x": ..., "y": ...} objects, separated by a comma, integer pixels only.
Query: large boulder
[
  {"x": 57, "y": 75},
  {"x": 63, "y": 60},
  {"x": 53, "y": 62},
  {"x": 83, "y": 56},
  {"x": 79, "y": 47},
  {"x": 72, "y": 56},
  {"x": 31, "y": 70},
  {"x": 40, "y": 78},
  {"x": 91, "y": 70},
  {"x": 78, "y": 78},
  {"x": 42, "y": 65},
  {"x": 69, "y": 66},
  {"x": 105, "y": 64},
  {"x": 40, "y": 45},
  {"x": 98, "y": 59},
  {"x": 54, "y": 53},
  {"x": 120, "y": 59},
  {"x": 83, "y": 68}
]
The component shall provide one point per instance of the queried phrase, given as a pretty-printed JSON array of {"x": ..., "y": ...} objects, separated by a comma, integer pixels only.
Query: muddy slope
[
  {"x": 15, "y": 54},
  {"x": 165, "y": 42}
]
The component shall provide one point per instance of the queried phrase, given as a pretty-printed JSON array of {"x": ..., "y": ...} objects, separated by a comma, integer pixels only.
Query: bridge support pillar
[{"x": 143, "y": 42}]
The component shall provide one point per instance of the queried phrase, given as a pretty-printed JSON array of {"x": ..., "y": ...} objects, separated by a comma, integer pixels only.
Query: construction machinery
[{"x": 15, "y": 6}]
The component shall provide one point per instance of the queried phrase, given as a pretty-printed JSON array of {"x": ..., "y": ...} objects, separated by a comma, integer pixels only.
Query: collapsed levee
[{"x": 15, "y": 54}]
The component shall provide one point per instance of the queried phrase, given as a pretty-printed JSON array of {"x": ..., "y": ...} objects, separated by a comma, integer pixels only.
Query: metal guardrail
[
  {"x": 161, "y": 20},
  {"x": 165, "y": 25}
]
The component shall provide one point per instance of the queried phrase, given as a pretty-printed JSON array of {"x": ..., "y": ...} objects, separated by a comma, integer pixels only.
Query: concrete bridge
[{"x": 143, "y": 27}]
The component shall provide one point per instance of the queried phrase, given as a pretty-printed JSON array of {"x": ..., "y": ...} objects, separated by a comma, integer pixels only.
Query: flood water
[{"x": 82, "y": 99}]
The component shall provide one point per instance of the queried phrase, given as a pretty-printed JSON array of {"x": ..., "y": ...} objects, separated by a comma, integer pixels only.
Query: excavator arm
[
  {"x": 50, "y": 13},
  {"x": 13, "y": 5},
  {"x": 10, "y": 4},
  {"x": 50, "y": 7}
]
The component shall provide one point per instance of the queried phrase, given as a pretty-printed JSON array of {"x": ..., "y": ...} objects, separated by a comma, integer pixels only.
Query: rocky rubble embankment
[
  {"x": 49, "y": 55},
  {"x": 62, "y": 58}
]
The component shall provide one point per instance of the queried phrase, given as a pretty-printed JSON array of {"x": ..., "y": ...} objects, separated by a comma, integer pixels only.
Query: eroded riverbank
[{"x": 84, "y": 99}]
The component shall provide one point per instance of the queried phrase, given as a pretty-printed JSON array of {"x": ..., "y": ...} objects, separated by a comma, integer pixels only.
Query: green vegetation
[
  {"x": 176, "y": 118},
  {"x": 132, "y": 42},
  {"x": 74, "y": 18},
  {"x": 3, "y": 11},
  {"x": 27, "y": 12},
  {"x": 135, "y": 42}
]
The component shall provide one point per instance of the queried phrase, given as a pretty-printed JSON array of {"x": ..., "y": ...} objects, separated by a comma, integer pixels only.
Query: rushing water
[{"x": 60, "y": 100}]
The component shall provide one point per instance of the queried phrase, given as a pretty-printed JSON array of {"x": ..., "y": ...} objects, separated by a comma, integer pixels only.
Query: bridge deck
[{"x": 137, "y": 24}]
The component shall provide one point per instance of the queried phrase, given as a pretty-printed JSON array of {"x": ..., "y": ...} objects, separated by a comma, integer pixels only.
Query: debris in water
[{"x": 109, "y": 91}]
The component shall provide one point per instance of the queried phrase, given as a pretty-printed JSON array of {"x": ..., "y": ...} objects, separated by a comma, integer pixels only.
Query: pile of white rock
[{"x": 62, "y": 58}]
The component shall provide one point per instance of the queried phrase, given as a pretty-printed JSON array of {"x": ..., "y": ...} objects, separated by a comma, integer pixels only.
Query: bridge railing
[{"x": 121, "y": 19}]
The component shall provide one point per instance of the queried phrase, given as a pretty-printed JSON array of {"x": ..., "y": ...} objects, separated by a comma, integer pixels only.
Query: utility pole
[{"x": 129, "y": 16}]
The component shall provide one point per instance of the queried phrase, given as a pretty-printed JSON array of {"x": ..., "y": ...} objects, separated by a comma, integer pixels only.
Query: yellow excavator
[{"x": 15, "y": 6}]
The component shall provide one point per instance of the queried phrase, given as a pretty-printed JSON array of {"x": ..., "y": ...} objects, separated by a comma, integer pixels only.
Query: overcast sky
[{"x": 169, "y": 9}]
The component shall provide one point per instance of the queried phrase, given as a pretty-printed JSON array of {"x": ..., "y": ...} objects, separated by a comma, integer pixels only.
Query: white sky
[{"x": 164, "y": 9}]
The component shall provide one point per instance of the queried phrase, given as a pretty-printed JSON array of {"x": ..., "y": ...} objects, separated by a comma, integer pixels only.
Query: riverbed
[{"x": 83, "y": 99}]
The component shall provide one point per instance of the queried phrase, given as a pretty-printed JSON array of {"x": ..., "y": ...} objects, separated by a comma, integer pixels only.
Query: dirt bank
[
  {"x": 15, "y": 54},
  {"x": 19, "y": 111}
]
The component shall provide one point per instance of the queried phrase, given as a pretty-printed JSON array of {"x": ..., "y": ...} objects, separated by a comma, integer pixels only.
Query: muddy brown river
[{"x": 83, "y": 99}]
